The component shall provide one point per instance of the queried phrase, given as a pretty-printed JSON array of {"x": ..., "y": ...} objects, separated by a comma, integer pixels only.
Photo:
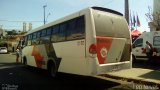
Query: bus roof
[
  {"x": 74, "y": 14},
  {"x": 107, "y": 10}
]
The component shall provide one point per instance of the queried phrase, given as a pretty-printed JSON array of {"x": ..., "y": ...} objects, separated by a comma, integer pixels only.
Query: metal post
[
  {"x": 44, "y": 13},
  {"x": 127, "y": 10}
]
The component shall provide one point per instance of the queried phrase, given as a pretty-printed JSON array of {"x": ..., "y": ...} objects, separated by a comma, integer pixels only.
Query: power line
[
  {"x": 13, "y": 26},
  {"x": 18, "y": 21}
]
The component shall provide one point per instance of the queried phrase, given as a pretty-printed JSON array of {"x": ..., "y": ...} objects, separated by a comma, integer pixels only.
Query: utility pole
[
  {"x": 44, "y": 13},
  {"x": 127, "y": 10}
]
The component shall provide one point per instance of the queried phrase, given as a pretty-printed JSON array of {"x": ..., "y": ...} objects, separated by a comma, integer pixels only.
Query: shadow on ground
[
  {"x": 146, "y": 65},
  {"x": 29, "y": 78}
]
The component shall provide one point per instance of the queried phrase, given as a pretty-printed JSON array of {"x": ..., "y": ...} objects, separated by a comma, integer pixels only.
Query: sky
[{"x": 14, "y": 12}]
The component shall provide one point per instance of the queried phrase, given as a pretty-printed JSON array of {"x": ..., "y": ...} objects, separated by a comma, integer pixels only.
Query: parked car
[{"x": 3, "y": 50}]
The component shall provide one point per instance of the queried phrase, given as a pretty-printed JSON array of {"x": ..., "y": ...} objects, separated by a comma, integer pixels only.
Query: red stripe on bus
[
  {"x": 103, "y": 47},
  {"x": 38, "y": 57}
]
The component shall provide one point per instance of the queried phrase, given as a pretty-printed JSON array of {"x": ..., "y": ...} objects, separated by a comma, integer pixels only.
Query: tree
[
  {"x": 154, "y": 19},
  {"x": 13, "y": 32},
  {"x": 3, "y": 43}
]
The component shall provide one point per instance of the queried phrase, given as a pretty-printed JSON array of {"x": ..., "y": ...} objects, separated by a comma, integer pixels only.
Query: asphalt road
[
  {"x": 7, "y": 58},
  {"x": 18, "y": 77},
  {"x": 154, "y": 65}
]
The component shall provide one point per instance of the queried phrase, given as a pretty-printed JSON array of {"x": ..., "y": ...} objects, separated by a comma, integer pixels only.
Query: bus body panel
[
  {"x": 113, "y": 26},
  {"x": 116, "y": 48},
  {"x": 36, "y": 56},
  {"x": 73, "y": 56},
  {"x": 28, "y": 54},
  {"x": 110, "y": 25}
]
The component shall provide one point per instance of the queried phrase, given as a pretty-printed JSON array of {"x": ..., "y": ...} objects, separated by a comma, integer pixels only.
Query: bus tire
[
  {"x": 134, "y": 58},
  {"x": 52, "y": 69},
  {"x": 24, "y": 61}
]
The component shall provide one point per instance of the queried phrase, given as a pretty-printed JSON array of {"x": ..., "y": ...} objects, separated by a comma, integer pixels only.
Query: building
[
  {"x": 3, "y": 33},
  {"x": 155, "y": 24},
  {"x": 156, "y": 6},
  {"x": 24, "y": 26}
]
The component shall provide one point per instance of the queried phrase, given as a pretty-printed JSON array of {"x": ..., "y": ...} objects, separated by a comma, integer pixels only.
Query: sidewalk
[{"x": 136, "y": 75}]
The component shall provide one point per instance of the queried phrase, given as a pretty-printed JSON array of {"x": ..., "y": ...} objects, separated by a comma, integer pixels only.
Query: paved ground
[
  {"x": 145, "y": 74},
  {"x": 146, "y": 65},
  {"x": 7, "y": 58},
  {"x": 17, "y": 77},
  {"x": 33, "y": 79}
]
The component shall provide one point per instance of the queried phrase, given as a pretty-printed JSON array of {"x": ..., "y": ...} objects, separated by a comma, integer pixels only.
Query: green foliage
[
  {"x": 13, "y": 32},
  {"x": 3, "y": 43}
]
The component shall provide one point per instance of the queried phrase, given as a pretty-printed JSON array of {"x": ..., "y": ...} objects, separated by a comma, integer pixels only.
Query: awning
[{"x": 136, "y": 33}]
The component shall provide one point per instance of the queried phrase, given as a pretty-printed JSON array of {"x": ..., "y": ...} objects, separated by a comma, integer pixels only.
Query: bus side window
[
  {"x": 62, "y": 32},
  {"x": 71, "y": 29},
  {"x": 80, "y": 25},
  {"x": 25, "y": 40},
  {"x": 43, "y": 33},
  {"x": 76, "y": 29},
  {"x": 54, "y": 35},
  {"x": 38, "y": 37},
  {"x": 48, "y": 34},
  {"x": 34, "y": 38},
  {"x": 29, "y": 39},
  {"x": 48, "y": 37},
  {"x": 45, "y": 36},
  {"x": 49, "y": 31}
]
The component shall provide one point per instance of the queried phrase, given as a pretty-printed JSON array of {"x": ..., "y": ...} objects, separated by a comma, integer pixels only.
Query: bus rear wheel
[
  {"x": 52, "y": 69},
  {"x": 134, "y": 58},
  {"x": 24, "y": 61}
]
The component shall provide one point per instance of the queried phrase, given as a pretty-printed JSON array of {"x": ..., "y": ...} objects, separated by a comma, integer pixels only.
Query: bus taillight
[{"x": 93, "y": 49}]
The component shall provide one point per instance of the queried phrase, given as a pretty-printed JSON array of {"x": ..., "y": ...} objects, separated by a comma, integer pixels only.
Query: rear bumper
[{"x": 113, "y": 67}]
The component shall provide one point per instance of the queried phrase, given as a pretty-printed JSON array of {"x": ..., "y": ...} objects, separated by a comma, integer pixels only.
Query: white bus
[{"x": 89, "y": 42}]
